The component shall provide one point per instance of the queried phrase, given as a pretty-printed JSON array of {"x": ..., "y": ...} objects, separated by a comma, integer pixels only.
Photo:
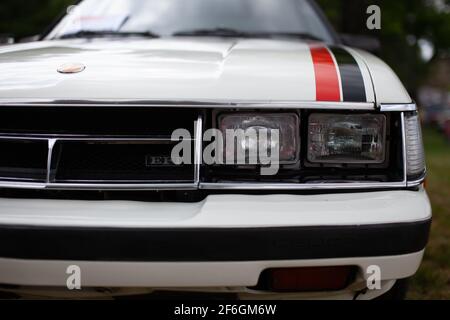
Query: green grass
[{"x": 433, "y": 278}]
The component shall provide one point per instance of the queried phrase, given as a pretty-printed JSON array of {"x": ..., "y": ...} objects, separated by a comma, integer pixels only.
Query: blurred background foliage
[{"x": 24, "y": 18}]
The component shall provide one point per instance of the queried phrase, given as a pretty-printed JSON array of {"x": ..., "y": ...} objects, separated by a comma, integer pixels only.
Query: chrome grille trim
[
  {"x": 198, "y": 152},
  {"x": 196, "y": 183},
  {"x": 82, "y": 138},
  {"x": 208, "y": 186},
  {"x": 97, "y": 186},
  {"x": 51, "y": 145},
  {"x": 304, "y": 186},
  {"x": 207, "y": 104},
  {"x": 405, "y": 160},
  {"x": 51, "y": 184},
  {"x": 417, "y": 182},
  {"x": 384, "y": 107}
]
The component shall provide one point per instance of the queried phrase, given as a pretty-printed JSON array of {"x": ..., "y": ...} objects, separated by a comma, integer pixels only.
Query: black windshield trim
[
  {"x": 228, "y": 32},
  {"x": 93, "y": 34}
]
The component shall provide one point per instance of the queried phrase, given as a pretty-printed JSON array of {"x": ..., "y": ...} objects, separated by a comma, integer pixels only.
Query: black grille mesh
[
  {"x": 23, "y": 159},
  {"x": 93, "y": 145},
  {"x": 126, "y": 161}
]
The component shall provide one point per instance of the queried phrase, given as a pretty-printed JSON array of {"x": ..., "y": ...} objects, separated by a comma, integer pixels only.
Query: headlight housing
[
  {"x": 346, "y": 138},
  {"x": 287, "y": 124}
]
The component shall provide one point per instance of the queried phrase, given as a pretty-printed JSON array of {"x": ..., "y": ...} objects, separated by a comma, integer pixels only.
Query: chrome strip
[
  {"x": 305, "y": 186},
  {"x": 191, "y": 104},
  {"x": 51, "y": 144},
  {"x": 98, "y": 186},
  {"x": 84, "y": 138},
  {"x": 244, "y": 104},
  {"x": 22, "y": 185},
  {"x": 405, "y": 160},
  {"x": 111, "y": 186},
  {"x": 198, "y": 149},
  {"x": 206, "y": 186},
  {"x": 398, "y": 107},
  {"x": 416, "y": 182},
  {"x": 23, "y": 138}
]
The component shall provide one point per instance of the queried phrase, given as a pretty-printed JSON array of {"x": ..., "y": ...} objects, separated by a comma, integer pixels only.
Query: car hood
[{"x": 194, "y": 69}]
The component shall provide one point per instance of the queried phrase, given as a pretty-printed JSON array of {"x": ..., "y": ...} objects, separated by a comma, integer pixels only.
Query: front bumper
[{"x": 225, "y": 241}]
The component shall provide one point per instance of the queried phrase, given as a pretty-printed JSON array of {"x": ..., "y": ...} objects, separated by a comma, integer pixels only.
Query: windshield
[{"x": 176, "y": 17}]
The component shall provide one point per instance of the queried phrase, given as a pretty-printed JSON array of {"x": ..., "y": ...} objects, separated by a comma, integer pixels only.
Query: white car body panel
[
  {"x": 160, "y": 69},
  {"x": 220, "y": 211},
  {"x": 223, "y": 211},
  {"x": 197, "y": 276},
  {"x": 388, "y": 87},
  {"x": 178, "y": 69}
]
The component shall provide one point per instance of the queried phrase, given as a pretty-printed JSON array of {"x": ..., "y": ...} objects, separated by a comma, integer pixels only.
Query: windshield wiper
[
  {"x": 228, "y": 32},
  {"x": 94, "y": 34}
]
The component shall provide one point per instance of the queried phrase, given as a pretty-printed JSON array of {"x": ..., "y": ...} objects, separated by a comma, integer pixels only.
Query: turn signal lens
[{"x": 415, "y": 155}]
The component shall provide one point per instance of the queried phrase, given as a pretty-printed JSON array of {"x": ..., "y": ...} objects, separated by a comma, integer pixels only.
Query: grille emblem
[
  {"x": 69, "y": 68},
  {"x": 163, "y": 161}
]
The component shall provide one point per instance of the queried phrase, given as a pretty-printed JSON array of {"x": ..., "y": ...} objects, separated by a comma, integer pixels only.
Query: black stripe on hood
[{"x": 352, "y": 80}]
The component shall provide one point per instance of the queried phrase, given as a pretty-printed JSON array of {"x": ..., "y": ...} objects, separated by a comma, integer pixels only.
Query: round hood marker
[{"x": 69, "y": 68}]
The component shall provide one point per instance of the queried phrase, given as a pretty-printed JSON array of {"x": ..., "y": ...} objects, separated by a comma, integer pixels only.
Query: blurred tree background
[{"x": 24, "y": 18}]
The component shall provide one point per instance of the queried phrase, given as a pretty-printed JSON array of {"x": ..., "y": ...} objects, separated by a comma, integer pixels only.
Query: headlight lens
[
  {"x": 287, "y": 125},
  {"x": 339, "y": 138},
  {"x": 415, "y": 156}
]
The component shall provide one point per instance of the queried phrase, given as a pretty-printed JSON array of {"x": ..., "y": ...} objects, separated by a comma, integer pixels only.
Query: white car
[{"x": 92, "y": 196}]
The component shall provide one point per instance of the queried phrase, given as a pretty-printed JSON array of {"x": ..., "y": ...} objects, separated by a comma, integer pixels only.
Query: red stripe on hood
[{"x": 327, "y": 79}]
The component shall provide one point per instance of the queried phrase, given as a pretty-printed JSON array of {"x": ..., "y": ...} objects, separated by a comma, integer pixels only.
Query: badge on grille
[{"x": 151, "y": 161}]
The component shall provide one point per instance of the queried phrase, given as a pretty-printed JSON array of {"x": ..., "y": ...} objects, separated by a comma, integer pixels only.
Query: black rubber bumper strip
[{"x": 247, "y": 244}]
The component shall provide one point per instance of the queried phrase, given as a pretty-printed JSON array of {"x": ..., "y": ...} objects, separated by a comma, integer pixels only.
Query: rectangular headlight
[
  {"x": 287, "y": 125},
  {"x": 341, "y": 138}
]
